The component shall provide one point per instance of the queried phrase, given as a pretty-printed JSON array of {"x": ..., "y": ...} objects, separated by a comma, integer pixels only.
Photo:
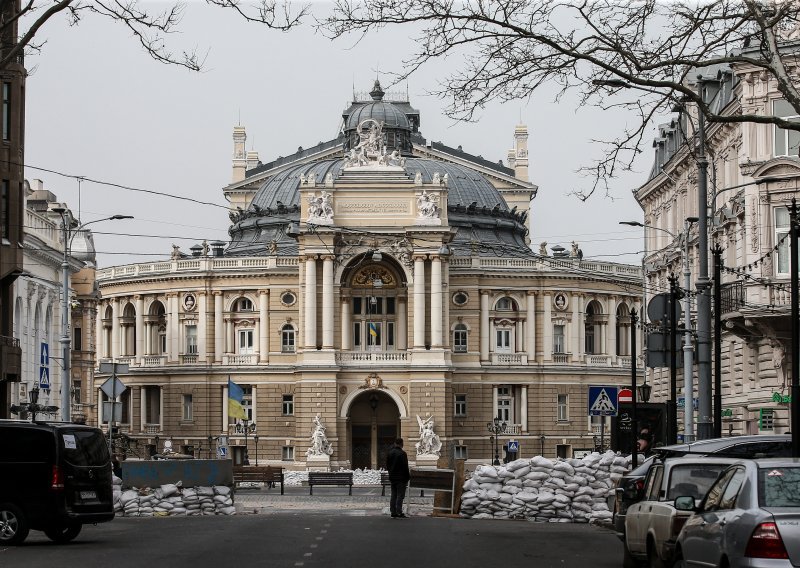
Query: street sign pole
[{"x": 113, "y": 387}]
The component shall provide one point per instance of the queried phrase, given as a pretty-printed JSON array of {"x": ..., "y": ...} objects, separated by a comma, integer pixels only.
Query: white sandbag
[
  {"x": 537, "y": 475},
  {"x": 168, "y": 489},
  {"x": 222, "y": 490},
  {"x": 522, "y": 472},
  {"x": 541, "y": 462},
  {"x": 565, "y": 467},
  {"x": 518, "y": 464}
]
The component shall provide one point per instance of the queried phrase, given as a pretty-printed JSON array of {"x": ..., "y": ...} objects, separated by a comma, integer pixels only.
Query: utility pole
[
  {"x": 688, "y": 351},
  {"x": 717, "y": 253},
  {"x": 634, "y": 421},
  {"x": 704, "y": 424},
  {"x": 672, "y": 413},
  {"x": 795, "y": 391}
]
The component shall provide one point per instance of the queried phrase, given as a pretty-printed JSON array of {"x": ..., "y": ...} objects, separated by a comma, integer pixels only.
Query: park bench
[
  {"x": 267, "y": 475},
  {"x": 330, "y": 478}
]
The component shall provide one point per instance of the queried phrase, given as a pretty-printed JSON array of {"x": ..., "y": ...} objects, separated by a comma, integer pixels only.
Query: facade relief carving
[{"x": 320, "y": 208}]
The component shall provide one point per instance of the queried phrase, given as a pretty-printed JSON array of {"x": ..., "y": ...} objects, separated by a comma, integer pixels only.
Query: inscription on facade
[{"x": 384, "y": 207}]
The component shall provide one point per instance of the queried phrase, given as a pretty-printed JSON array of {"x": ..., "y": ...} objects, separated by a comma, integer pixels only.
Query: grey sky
[{"x": 98, "y": 106}]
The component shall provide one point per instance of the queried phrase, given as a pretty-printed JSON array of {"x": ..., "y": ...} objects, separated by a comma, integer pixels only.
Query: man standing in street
[{"x": 397, "y": 466}]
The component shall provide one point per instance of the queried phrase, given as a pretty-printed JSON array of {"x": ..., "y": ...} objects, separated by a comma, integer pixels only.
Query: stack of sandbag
[
  {"x": 116, "y": 489},
  {"x": 174, "y": 500},
  {"x": 366, "y": 476},
  {"x": 295, "y": 477},
  {"x": 540, "y": 489}
]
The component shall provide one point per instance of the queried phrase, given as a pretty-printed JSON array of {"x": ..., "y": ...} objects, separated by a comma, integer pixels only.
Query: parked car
[
  {"x": 629, "y": 487},
  {"x": 750, "y": 517},
  {"x": 653, "y": 524},
  {"x": 54, "y": 477}
]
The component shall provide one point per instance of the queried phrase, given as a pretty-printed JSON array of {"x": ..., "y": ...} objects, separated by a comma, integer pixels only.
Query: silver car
[{"x": 750, "y": 517}]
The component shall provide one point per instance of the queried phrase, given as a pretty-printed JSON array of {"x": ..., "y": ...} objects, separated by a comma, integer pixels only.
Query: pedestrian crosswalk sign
[
  {"x": 44, "y": 368},
  {"x": 602, "y": 401}
]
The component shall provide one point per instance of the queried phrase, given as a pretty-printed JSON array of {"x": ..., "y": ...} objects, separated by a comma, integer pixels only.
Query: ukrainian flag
[
  {"x": 235, "y": 397},
  {"x": 373, "y": 329}
]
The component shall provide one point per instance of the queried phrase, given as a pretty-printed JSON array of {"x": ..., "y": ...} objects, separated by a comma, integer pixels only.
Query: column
[
  {"x": 547, "y": 326},
  {"x": 518, "y": 337},
  {"x": 230, "y": 344},
  {"x": 436, "y": 302},
  {"x": 523, "y": 408},
  {"x": 530, "y": 327},
  {"x": 263, "y": 318},
  {"x": 219, "y": 328},
  {"x": 419, "y": 302},
  {"x": 115, "y": 328},
  {"x": 148, "y": 338},
  {"x": 100, "y": 337},
  {"x": 142, "y": 408},
  {"x": 327, "y": 302},
  {"x": 160, "y": 409},
  {"x": 402, "y": 324},
  {"x": 484, "y": 331},
  {"x": 254, "y": 417},
  {"x": 347, "y": 324},
  {"x": 446, "y": 335},
  {"x": 612, "y": 328},
  {"x": 139, "y": 347},
  {"x": 494, "y": 402},
  {"x": 576, "y": 333},
  {"x": 202, "y": 326},
  {"x": 310, "y": 336},
  {"x": 173, "y": 334}
]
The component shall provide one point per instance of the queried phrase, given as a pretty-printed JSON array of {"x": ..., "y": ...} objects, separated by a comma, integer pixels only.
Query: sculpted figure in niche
[
  {"x": 320, "y": 207},
  {"x": 429, "y": 443},
  {"x": 778, "y": 359},
  {"x": 320, "y": 446}
]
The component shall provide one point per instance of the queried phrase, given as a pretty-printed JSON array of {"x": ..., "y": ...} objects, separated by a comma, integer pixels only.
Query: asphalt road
[{"x": 321, "y": 539}]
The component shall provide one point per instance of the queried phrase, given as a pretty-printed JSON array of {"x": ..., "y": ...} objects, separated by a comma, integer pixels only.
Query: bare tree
[
  {"x": 149, "y": 26},
  {"x": 642, "y": 56}
]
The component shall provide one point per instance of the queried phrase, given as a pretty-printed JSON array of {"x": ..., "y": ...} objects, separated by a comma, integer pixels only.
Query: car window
[
  {"x": 642, "y": 469},
  {"x": 26, "y": 445},
  {"x": 84, "y": 447},
  {"x": 714, "y": 495},
  {"x": 728, "y": 499},
  {"x": 653, "y": 483},
  {"x": 692, "y": 479},
  {"x": 776, "y": 449},
  {"x": 779, "y": 487}
]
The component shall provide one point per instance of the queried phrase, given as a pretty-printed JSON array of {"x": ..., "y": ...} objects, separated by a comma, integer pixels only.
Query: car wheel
[
  {"x": 628, "y": 561},
  {"x": 679, "y": 562},
  {"x": 62, "y": 534},
  {"x": 653, "y": 560},
  {"x": 13, "y": 525}
]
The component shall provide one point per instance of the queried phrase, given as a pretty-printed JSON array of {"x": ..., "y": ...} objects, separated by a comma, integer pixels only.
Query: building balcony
[
  {"x": 513, "y": 430},
  {"x": 562, "y": 358},
  {"x": 598, "y": 360},
  {"x": 129, "y": 360},
  {"x": 239, "y": 428},
  {"x": 233, "y": 359},
  {"x": 152, "y": 428},
  {"x": 189, "y": 359},
  {"x": 624, "y": 361},
  {"x": 509, "y": 358},
  {"x": 362, "y": 357},
  {"x": 154, "y": 360}
]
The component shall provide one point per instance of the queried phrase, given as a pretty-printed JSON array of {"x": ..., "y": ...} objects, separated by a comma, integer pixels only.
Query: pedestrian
[{"x": 397, "y": 466}]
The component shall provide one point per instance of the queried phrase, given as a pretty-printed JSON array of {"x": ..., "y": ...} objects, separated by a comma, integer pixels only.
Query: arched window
[
  {"x": 592, "y": 329},
  {"x": 243, "y": 305},
  {"x": 287, "y": 339},
  {"x": 622, "y": 331},
  {"x": 506, "y": 304},
  {"x": 460, "y": 338}
]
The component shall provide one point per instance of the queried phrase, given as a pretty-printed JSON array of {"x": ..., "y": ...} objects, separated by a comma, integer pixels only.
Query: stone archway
[{"x": 374, "y": 419}]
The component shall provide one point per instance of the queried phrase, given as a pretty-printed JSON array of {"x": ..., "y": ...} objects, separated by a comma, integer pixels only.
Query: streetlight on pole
[
  {"x": 69, "y": 227},
  {"x": 497, "y": 427}
]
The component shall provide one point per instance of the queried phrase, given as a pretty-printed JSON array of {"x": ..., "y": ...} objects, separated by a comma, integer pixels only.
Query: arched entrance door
[{"x": 374, "y": 425}]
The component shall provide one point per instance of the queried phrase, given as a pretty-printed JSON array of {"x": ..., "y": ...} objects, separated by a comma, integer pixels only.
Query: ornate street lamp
[
  {"x": 644, "y": 392},
  {"x": 497, "y": 427},
  {"x": 255, "y": 439}
]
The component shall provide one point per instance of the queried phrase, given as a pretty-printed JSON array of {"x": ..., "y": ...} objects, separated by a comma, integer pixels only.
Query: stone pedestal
[
  {"x": 427, "y": 462},
  {"x": 318, "y": 463}
]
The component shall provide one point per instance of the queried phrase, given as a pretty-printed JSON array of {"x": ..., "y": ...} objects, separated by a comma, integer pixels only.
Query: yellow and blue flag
[
  {"x": 235, "y": 398},
  {"x": 373, "y": 329}
]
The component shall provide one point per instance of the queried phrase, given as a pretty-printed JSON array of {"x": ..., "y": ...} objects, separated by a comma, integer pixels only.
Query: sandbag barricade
[{"x": 172, "y": 500}]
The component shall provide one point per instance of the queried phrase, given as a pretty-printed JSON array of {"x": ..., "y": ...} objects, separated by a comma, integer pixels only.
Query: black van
[{"x": 54, "y": 477}]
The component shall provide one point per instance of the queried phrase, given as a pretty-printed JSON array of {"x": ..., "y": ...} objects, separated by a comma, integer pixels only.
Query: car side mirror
[{"x": 684, "y": 503}]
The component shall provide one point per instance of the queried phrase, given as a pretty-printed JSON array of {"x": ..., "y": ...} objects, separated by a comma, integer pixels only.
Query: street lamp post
[
  {"x": 497, "y": 427},
  {"x": 69, "y": 228},
  {"x": 255, "y": 439}
]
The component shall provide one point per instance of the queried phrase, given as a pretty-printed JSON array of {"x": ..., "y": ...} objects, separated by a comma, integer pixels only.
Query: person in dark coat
[{"x": 397, "y": 466}]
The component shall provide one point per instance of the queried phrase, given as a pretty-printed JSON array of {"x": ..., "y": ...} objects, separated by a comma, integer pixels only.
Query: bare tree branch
[{"x": 647, "y": 54}]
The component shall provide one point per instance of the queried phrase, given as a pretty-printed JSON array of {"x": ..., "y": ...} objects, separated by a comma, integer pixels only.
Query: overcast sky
[{"x": 99, "y": 107}]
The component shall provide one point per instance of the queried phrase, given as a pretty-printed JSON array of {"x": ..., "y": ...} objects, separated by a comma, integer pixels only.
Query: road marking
[
  {"x": 323, "y": 531},
  {"x": 299, "y": 564},
  {"x": 313, "y": 545},
  {"x": 319, "y": 537},
  {"x": 308, "y": 554}
]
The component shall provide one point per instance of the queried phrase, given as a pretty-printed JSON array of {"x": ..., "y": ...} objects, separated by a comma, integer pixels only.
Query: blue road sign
[
  {"x": 602, "y": 401},
  {"x": 513, "y": 446},
  {"x": 44, "y": 368}
]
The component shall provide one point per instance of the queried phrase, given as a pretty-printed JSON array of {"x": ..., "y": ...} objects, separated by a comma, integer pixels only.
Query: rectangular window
[
  {"x": 787, "y": 142},
  {"x": 162, "y": 342},
  {"x": 503, "y": 340},
  {"x": 5, "y": 211},
  {"x": 191, "y": 339},
  {"x": 390, "y": 306},
  {"x": 563, "y": 408},
  {"x": 245, "y": 342},
  {"x": 461, "y": 405},
  {"x": 287, "y": 339},
  {"x": 505, "y": 404},
  {"x": 287, "y": 453},
  {"x": 782, "y": 241},
  {"x": 766, "y": 419},
  {"x": 389, "y": 335},
  {"x": 375, "y": 305},
  {"x": 288, "y": 405},
  {"x": 77, "y": 339},
  {"x": 247, "y": 401},
  {"x": 357, "y": 306},
  {"x": 558, "y": 339},
  {"x": 357, "y": 336},
  {"x": 187, "y": 407},
  {"x": 460, "y": 452},
  {"x": 6, "y": 111}
]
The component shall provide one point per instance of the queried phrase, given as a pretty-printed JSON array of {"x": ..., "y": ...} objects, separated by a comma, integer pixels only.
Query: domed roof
[
  {"x": 474, "y": 206},
  {"x": 387, "y": 113}
]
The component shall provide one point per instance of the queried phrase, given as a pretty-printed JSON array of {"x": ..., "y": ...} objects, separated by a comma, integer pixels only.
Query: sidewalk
[{"x": 365, "y": 500}]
